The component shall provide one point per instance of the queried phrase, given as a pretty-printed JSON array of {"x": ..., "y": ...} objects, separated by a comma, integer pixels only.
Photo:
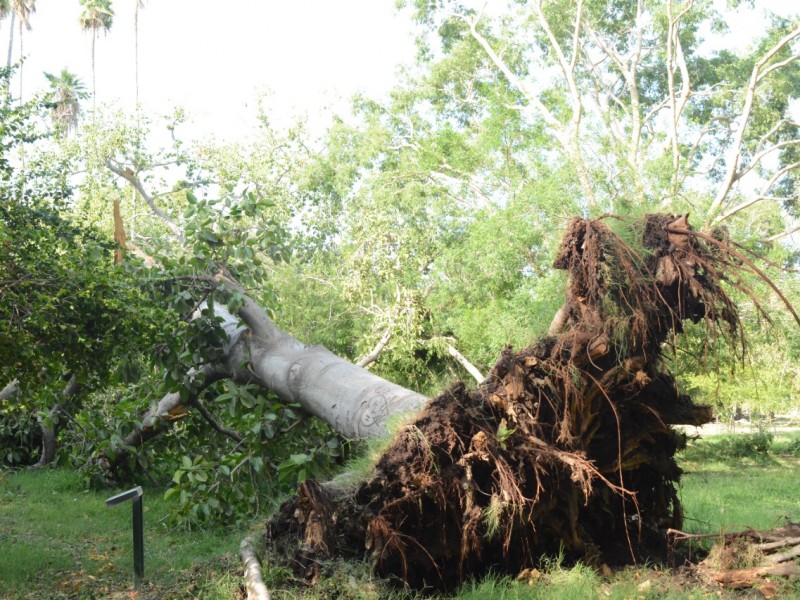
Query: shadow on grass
[{"x": 58, "y": 540}]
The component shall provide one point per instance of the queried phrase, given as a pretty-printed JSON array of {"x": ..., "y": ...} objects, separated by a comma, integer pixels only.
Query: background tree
[
  {"x": 5, "y": 11},
  {"x": 20, "y": 10},
  {"x": 97, "y": 15},
  {"x": 630, "y": 98},
  {"x": 67, "y": 91},
  {"x": 137, "y": 6}
]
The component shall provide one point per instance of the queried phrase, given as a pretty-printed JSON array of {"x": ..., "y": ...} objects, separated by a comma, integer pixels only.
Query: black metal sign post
[{"x": 134, "y": 494}]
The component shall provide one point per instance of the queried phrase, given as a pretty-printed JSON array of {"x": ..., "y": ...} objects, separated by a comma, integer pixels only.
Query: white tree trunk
[{"x": 352, "y": 400}]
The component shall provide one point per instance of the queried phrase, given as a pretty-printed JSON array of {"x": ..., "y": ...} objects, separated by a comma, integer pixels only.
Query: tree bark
[
  {"x": 49, "y": 425},
  {"x": 354, "y": 401},
  {"x": 10, "y": 389}
]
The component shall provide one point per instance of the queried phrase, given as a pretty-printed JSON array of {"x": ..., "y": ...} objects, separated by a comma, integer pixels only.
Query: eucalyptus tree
[
  {"x": 629, "y": 96},
  {"x": 66, "y": 93},
  {"x": 97, "y": 15}
]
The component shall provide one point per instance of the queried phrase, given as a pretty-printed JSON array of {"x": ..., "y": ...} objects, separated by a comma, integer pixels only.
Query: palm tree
[
  {"x": 19, "y": 10},
  {"x": 139, "y": 4},
  {"x": 96, "y": 15},
  {"x": 5, "y": 10},
  {"x": 66, "y": 93}
]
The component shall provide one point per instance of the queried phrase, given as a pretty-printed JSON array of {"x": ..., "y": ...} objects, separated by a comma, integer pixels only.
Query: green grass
[
  {"x": 733, "y": 482},
  {"x": 59, "y": 541}
]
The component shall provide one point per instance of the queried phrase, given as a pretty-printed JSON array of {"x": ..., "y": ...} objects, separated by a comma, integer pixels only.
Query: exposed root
[
  {"x": 567, "y": 446},
  {"x": 744, "y": 559}
]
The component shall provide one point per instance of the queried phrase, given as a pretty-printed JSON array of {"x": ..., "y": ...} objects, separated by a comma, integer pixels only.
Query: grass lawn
[
  {"x": 732, "y": 482},
  {"x": 59, "y": 541}
]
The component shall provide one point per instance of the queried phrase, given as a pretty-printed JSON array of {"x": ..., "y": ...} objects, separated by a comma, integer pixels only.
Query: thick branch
[
  {"x": 785, "y": 556},
  {"x": 373, "y": 354},
  {"x": 675, "y": 55},
  {"x": 49, "y": 425},
  {"x": 568, "y": 139},
  {"x": 168, "y": 409},
  {"x": 760, "y": 155},
  {"x": 253, "y": 315},
  {"x": 462, "y": 360},
  {"x": 529, "y": 93},
  {"x": 567, "y": 68},
  {"x": 130, "y": 176},
  {"x": 749, "y": 99},
  {"x": 783, "y": 234},
  {"x": 254, "y": 583},
  {"x": 761, "y": 196}
]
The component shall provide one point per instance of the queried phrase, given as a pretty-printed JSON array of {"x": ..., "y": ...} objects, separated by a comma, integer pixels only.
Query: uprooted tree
[
  {"x": 442, "y": 203},
  {"x": 632, "y": 111},
  {"x": 568, "y": 444}
]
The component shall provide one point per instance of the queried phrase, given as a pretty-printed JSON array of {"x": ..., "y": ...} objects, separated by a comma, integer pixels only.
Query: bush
[
  {"x": 20, "y": 435},
  {"x": 749, "y": 445}
]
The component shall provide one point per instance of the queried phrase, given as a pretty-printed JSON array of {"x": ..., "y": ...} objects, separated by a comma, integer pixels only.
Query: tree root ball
[{"x": 567, "y": 447}]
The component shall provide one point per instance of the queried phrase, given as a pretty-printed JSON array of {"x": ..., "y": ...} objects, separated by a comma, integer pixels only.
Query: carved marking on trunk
[
  {"x": 372, "y": 410},
  {"x": 294, "y": 375}
]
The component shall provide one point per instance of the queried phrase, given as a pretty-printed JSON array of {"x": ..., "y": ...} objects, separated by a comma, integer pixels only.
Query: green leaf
[{"x": 257, "y": 463}]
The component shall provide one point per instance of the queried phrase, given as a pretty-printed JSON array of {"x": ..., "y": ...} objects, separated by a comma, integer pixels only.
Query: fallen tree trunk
[
  {"x": 355, "y": 402},
  {"x": 567, "y": 445}
]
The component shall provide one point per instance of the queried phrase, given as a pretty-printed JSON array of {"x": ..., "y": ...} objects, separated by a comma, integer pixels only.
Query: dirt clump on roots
[{"x": 568, "y": 445}]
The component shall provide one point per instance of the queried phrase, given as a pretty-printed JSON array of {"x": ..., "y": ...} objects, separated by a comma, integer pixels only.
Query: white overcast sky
[{"x": 214, "y": 58}]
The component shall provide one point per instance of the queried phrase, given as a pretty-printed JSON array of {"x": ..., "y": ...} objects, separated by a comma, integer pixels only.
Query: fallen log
[
  {"x": 743, "y": 559},
  {"x": 745, "y": 578}
]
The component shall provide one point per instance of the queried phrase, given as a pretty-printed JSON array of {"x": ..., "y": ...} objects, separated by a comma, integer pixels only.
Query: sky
[{"x": 215, "y": 58}]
